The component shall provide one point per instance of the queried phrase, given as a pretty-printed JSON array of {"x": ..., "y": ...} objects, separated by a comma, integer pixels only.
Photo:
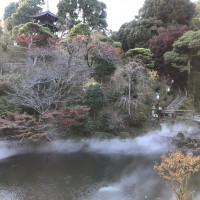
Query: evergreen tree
[
  {"x": 95, "y": 98},
  {"x": 74, "y": 12},
  {"x": 169, "y": 11},
  {"x": 21, "y": 12}
]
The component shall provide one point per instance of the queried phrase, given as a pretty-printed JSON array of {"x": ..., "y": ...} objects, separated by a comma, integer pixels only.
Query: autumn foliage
[
  {"x": 68, "y": 117},
  {"x": 164, "y": 40},
  {"x": 38, "y": 40},
  {"x": 176, "y": 169}
]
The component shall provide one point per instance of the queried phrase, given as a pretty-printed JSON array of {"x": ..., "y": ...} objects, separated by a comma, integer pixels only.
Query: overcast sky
[{"x": 118, "y": 11}]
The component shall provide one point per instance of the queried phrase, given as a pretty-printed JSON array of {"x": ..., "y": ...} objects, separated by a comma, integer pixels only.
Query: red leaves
[
  {"x": 68, "y": 117},
  {"x": 73, "y": 117},
  {"x": 38, "y": 41},
  {"x": 166, "y": 37},
  {"x": 115, "y": 51}
]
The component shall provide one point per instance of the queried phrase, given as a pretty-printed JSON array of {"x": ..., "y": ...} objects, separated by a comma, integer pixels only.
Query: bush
[
  {"x": 143, "y": 54},
  {"x": 116, "y": 122},
  {"x": 113, "y": 95},
  {"x": 15, "y": 54},
  {"x": 7, "y": 106},
  {"x": 103, "y": 135},
  {"x": 4, "y": 87},
  {"x": 138, "y": 120},
  {"x": 4, "y": 46},
  {"x": 142, "y": 118},
  {"x": 104, "y": 38},
  {"x": 80, "y": 29},
  {"x": 117, "y": 45},
  {"x": 123, "y": 135},
  {"x": 103, "y": 121},
  {"x": 94, "y": 97},
  {"x": 103, "y": 67}
]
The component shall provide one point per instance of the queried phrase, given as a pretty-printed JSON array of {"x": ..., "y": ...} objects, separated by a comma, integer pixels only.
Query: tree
[
  {"x": 185, "y": 50},
  {"x": 171, "y": 11},
  {"x": 136, "y": 34},
  {"x": 196, "y": 19},
  {"x": 92, "y": 48},
  {"x": 142, "y": 54},
  {"x": 95, "y": 98},
  {"x": 91, "y": 12},
  {"x": 10, "y": 9},
  {"x": 51, "y": 80},
  {"x": 163, "y": 42},
  {"x": 80, "y": 29},
  {"x": 103, "y": 67},
  {"x": 23, "y": 12},
  {"x": 176, "y": 169},
  {"x": 126, "y": 79},
  {"x": 32, "y": 34}
]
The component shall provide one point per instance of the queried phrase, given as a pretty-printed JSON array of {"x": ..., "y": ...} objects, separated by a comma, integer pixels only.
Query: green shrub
[
  {"x": 94, "y": 97},
  {"x": 15, "y": 54},
  {"x": 103, "y": 121},
  {"x": 88, "y": 125},
  {"x": 7, "y": 106},
  {"x": 142, "y": 118},
  {"x": 143, "y": 54},
  {"x": 113, "y": 94},
  {"x": 103, "y": 135},
  {"x": 123, "y": 135},
  {"x": 4, "y": 46},
  {"x": 80, "y": 29},
  {"x": 103, "y": 67},
  {"x": 4, "y": 86},
  {"x": 105, "y": 38},
  {"x": 117, "y": 45}
]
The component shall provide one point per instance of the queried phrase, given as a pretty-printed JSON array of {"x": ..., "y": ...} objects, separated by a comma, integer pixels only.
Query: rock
[{"x": 180, "y": 136}]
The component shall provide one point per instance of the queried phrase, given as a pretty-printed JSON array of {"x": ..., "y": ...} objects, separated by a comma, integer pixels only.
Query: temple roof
[{"x": 46, "y": 13}]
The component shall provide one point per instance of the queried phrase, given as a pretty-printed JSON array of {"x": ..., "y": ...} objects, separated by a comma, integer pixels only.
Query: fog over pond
[{"x": 89, "y": 169}]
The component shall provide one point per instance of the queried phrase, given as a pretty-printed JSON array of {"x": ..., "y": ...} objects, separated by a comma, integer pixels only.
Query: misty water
[{"x": 92, "y": 169}]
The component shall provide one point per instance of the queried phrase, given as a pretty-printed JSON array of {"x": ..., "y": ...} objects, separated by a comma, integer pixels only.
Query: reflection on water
[{"x": 87, "y": 169}]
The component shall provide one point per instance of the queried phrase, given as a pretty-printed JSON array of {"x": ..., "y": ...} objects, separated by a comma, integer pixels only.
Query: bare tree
[
  {"x": 48, "y": 80},
  {"x": 123, "y": 78}
]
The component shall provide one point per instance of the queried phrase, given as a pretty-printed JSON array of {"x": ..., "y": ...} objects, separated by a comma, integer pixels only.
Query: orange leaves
[{"x": 176, "y": 169}]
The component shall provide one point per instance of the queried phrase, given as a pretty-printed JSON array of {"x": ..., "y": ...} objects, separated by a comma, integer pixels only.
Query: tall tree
[
  {"x": 185, "y": 51},
  {"x": 132, "y": 81},
  {"x": 10, "y": 9},
  {"x": 163, "y": 42},
  {"x": 91, "y": 12},
  {"x": 196, "y": 19},
  {"x": 138, "y": 32},
  {"x": 169, "y": 11},
  {"x": 25, "y": 8}
]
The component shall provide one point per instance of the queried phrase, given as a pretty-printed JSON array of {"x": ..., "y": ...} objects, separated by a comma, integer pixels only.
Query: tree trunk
[
  {"x": 129, "y": 96},
  {"x": 189, "y": 65}
]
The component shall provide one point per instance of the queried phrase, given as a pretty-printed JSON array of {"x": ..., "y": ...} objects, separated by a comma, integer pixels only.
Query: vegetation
[
  {"x": 116, "y": 76},
  {"x": 166, "y": 11},
  {"x": 92, "y": 13},
  {"x": 94, "y": 97},
  {"x": 19, "y": 13},
  {"x": 176, "y": 169}
]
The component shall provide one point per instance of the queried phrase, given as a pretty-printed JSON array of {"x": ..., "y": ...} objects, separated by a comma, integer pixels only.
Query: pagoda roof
[{"x": 45, "y": 13}]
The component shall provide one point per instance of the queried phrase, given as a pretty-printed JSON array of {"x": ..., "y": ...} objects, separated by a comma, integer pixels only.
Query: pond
[{"x": 89, "y": 169}]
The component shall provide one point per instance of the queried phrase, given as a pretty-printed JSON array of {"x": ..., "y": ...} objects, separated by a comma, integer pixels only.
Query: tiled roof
[{"x": 44, "y": 13}]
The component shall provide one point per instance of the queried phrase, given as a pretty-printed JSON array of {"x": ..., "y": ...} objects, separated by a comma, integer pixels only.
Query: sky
[{"x": 118, "y": 11}]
